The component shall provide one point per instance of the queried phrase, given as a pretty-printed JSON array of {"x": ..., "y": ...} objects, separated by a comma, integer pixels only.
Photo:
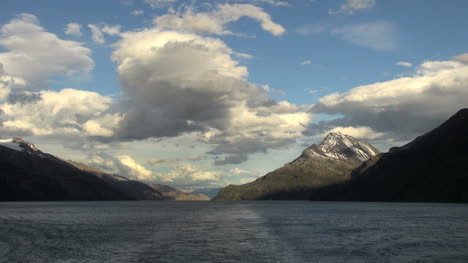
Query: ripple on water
[{"x": 232, "y": 232}]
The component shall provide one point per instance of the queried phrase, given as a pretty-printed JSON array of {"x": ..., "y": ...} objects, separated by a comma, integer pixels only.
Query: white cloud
[
  {"x": 28, "y": 18},
  {"x": 134, "y": 169},
  {"x": 306, "y": 62},
  {"x": 404, "y": 64},
  {"x": 181, "y": 83},
  {"x": 33, "y": 55},
  {"x": 137, "y": 12},
  {"x": 187, "y": 174},
  {"x": 352, "y": 6},
  {"x": 182, "y": 174},
  {"x": 73, "y": 29},
  {"x": 159, "y": 3},
  {"x": 356, "y": 132},
  {"x": 111, "y": 30},
  {"x": 215, "y": 22},
  {"x": 238, "y": 171},
  {"x": 6, "y": 83},
  {"x": 123, "y": 165},
  {"x": 462, "y": 58},
  {"x": 68, "y": 113},
  {"x": 403, "y": 107},
  {"x": 96, "y": 34},
  {"x": 377, "y": 35}
]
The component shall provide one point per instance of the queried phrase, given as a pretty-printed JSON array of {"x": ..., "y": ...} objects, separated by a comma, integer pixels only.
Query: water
[{"x": 232, "y": 232}]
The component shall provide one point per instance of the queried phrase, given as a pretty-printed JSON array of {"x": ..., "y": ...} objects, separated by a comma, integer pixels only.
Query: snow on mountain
[
  {"x": 21, "y": 145},
  {"x": 342, "y": 147},
  {"x": 9, "y": 143}
]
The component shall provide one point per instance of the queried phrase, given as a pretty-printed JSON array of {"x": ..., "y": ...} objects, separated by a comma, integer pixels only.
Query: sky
[{"x": 200, "y": 94}]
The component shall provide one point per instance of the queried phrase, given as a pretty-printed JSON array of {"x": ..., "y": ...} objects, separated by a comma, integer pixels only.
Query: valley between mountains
[{"x": 431, "y": 168}]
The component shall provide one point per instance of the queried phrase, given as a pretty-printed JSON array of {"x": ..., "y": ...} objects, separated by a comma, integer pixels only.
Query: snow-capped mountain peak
[
  {"x": 21, "y": 145},
  {"x": 340, "y": 146}
]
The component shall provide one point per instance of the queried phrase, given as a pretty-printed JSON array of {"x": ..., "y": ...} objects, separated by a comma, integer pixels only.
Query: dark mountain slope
[
  {"x": 27, "y": 174},
  {"x": 432, "y": 168}
]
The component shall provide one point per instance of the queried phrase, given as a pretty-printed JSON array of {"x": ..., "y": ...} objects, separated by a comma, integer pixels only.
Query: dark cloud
[
  {"x": 24, "y": 97},
  {"x": 186, "y": 83},
  {"x": 232, "y": 159},
  {"x": 9, "y": 132}
]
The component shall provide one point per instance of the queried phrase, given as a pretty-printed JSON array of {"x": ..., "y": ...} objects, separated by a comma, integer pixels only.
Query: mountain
[
  {"x": 327, "y": 163},
  {"x": 174, "y": 194},
  {"x": 210, "y": 192},
  {"x": 431, "y": 168},
  {"x": 134, "y": 189},
  {"x": 141, "y": 191},
  {"x": 28, "y": 174}
]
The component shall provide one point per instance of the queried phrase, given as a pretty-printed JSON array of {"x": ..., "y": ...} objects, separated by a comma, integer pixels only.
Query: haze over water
[{"x": 232, "y": 232}]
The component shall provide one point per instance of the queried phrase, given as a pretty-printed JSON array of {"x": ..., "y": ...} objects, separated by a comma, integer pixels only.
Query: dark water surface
[{"x": 232, "y": 232}]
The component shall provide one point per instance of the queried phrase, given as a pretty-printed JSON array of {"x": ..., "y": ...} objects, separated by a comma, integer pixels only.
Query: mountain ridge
[
  {"x": 28, "y": 174},
  {"x": 431, "y": 168},
  {"x": 329, "y": 162}
]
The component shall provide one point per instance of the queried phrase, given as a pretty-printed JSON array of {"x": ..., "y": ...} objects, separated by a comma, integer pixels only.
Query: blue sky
[{"x": 236, "y": 89}]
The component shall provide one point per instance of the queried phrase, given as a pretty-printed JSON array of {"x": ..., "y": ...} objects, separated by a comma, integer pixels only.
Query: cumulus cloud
[
  {"x": 67, "y": 113},
  {"x": 122, "y": 165},
  {"x": 215, "y": 22},
  {"x": 462, "y": 58},
  {"x": 258, "y": 130},
  {"x": 187, "y": 175},
  {"x": 179, "y": 174},
  {"x": 404, "y": 64},
  {"x": 404, "y": 107},
  {"x": 378, "y": 35},
  {"x": 356, "y": 132},
  {"x": 179, "y": 83},
  {"x": 352, "y": 6},
  {"x": 24, "y": 97},
  {"x": 47, "y": 56},
  {"x": 5, "y": 82},
  {"x": 9, "y": 84},
  {"x": 73, "y": 29}
]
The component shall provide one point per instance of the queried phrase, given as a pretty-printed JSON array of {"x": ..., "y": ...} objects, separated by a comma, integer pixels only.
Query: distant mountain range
[
  {"x": 432, "y": 168},
  {"x": 330, "y": 162},
  {"x": 28, "y": 174},
  {"x": 210, "y": 192}
]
